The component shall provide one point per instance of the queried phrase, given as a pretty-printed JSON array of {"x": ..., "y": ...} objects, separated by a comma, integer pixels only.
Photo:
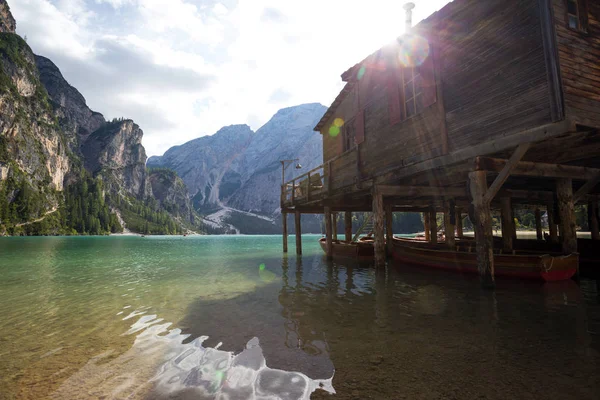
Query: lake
[{"x": 231, "y": 317}]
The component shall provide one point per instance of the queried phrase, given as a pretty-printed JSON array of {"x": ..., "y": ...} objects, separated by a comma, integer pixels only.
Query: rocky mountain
[
  {"x": 234, "y": 175},
  {"x": 63, "y": 168},
  {"x": 7, "y": 22},
  {"x": 172, "y": 193}
]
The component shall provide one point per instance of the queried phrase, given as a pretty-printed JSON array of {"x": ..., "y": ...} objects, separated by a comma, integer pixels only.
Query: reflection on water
[
  {"x": 185, "y": 370},
  {"x": 230, "y": 318}
]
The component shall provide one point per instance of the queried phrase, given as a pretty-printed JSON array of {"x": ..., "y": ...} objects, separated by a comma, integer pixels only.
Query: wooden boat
[
  {"x": 544, "y": 267},
  {"x": 359, "y": 250}
]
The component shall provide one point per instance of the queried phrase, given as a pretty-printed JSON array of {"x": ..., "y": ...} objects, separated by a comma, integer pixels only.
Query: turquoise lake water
[{"x": 231, "y": 317}]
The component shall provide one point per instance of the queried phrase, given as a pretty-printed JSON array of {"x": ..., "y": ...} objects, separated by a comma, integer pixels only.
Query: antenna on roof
[{"x": 408, "y": 7}]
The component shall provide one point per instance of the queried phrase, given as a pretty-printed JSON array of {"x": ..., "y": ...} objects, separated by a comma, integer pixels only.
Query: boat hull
[
  {"x": 357, "y": 250},
  {"x": 537, "y": 267}
]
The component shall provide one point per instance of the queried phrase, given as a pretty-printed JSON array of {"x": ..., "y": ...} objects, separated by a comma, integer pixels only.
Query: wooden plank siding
[
  {"x": 579, "y": 58},
  {"x": 494, "y": 76},
  {"x": 494, "y": 72}
]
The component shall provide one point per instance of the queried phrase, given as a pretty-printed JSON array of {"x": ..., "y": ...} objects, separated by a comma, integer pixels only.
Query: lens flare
[
  {"x": 334, "y": 131},
  {"x": 413, "y": 51},
  {"x": 361, "y": 72},
  {"x": 262, "y": 267},
  {"x": 265, "y": 275},
  {"x": 338, "y": 122}
]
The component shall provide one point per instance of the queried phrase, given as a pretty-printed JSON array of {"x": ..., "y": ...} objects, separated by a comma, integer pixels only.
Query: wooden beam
[
  {"x": 552, "y": 227},
  {"x": 535, "y": 169},
  {"x": 459, "y": 223},
  {"x": 426, "y": 226},
  {"x": 506, "y": 171},
  {"x": 492, "y": 146},
  {"x": 449, "y": 226},
  {"x": 421, "y": 191},
  {"x": 348, "y": 226},
  {"x": 432, "y": 225},
  {"x": 538, "y": 224},
  {"x": 566, "y": 212},
  {"x": 483, "y": 228},
  {"x": 592, "y": 209},
  {"x": 586, "y": 188},
  {"x": 389, "y": 234},
  {"x": 285, "y": 232},
  {"x": 298, "y": 224},
  {"x": 334, "y": 221},
  {"x": 328, "y": 233},
  {"x": 378, "y": 228},
  {"x": 508, "y": 224}
]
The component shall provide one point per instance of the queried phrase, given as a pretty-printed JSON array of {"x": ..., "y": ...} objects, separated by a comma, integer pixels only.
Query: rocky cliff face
[
  {"x": 115, "y": 152},
  {"x": 288, "y": 135},
  {"x": 75, "y": 117},
  {"x": 32, "y": 147},
  {"x": 7, "y": 22},
  {"x": 209, "y": 165},
  {"x": 236, "y": 170},
  {"x": 172, "y": 194}
]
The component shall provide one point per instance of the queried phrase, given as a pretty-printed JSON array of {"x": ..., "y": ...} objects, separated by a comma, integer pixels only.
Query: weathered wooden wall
[
  {"x": 579, "y": 58},
  {"x": 494, "y": 72}
]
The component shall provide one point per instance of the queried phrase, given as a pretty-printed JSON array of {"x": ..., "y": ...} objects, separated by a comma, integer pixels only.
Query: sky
[{"x": 182, "y": 69}]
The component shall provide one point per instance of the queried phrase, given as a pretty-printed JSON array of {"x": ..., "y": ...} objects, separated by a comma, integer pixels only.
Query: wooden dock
[{"x": 482, "y": 106}]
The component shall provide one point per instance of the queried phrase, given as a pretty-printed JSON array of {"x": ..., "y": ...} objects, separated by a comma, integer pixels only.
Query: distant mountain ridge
[{"x": 237, "y": 171}]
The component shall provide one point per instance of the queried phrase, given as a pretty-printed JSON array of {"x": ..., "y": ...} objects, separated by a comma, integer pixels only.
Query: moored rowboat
[
  {"x": 526, "y": 266},
  {"x": 360, "y": 250}
]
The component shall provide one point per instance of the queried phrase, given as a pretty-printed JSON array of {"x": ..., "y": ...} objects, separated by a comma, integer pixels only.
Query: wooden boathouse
[{"x": 484, "y": 105}]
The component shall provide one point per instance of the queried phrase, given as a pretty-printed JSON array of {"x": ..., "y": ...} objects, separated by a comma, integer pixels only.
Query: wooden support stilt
[
  {"x": 379, "y": 228},
  {"x": 426, "y": 226},
  {"x": 432, "y": 226},
  {"x": 298, "y": 224},
  {"x": 538, "y": 224},
  {"x": 348, "y": 225},
  {"x": 483, "y": 227},
  {"x": 285, "y": 232},
  {"x": 334, "y": 221},
  {"x": 552, "y": 227},
  {"x": 566, "y": 212},
  {"x": 328, "y": 234},
  {"x": 448, "y": 225},
  {"x": 508, "y": 224},
  {"x": 459, "y": 223},
  {"x": 593, "y": 219},
  {"x": 389, "y": 235}
]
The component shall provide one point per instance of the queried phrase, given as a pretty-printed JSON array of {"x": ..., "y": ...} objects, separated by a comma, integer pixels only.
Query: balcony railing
[{"x": 304, "y": 188}]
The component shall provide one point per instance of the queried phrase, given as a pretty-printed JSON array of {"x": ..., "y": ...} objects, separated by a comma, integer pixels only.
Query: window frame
[
  {"x": 581, "y": 16},
  {"x": 347, "y": 146}
]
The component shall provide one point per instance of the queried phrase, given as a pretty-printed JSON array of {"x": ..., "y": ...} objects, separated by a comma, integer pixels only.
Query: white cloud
[{"x": 184, "y": 68}]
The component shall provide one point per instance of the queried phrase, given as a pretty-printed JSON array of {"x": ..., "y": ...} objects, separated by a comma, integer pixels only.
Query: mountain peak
[{"x": 7, "y": 21}]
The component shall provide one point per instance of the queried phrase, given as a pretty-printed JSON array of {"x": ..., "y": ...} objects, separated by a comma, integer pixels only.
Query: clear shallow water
[{"x": 199, "y": 317}]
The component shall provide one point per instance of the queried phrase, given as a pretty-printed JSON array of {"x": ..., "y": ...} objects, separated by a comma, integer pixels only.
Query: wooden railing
[
  {"x": 317, "y": 182},
  {"x": 303, "y": 188}
]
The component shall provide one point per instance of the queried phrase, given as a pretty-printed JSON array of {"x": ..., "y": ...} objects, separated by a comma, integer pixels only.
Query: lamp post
[{"x": 284, "y": 165}]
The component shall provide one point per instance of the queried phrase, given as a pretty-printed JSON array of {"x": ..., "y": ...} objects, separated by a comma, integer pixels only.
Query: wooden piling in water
[
  {"x": 593, "y": 219},
  {"x": 298, "y": 226},
  {"x": 566, "y": 213},
  {"x": 426, "y": 227},
  {"x": 483, "y": 227},
  {"x": 538, "y": 224},
  {"x": 432, "y": 226},
  {"x": 449, "y": 225},
  {"x": 389, "y": 234},
  {"x": 334, "y": 221},
  {"x": 552, "y": 227},
  {"x": 348, "y": 226},
  {"x": 285, "y": 231},
  {"x": 508, "y": 224},
  {"x": 379, "y": 229},
  {"x": 328, "y": 234},
  {"x": 459, "y": 223}
]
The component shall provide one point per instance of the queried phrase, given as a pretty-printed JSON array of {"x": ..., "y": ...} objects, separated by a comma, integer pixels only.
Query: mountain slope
[{"x": 234, "y": 176}]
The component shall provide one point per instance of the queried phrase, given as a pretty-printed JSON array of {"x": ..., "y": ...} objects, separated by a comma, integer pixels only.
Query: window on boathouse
[{"x": 577, "y": 15}]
